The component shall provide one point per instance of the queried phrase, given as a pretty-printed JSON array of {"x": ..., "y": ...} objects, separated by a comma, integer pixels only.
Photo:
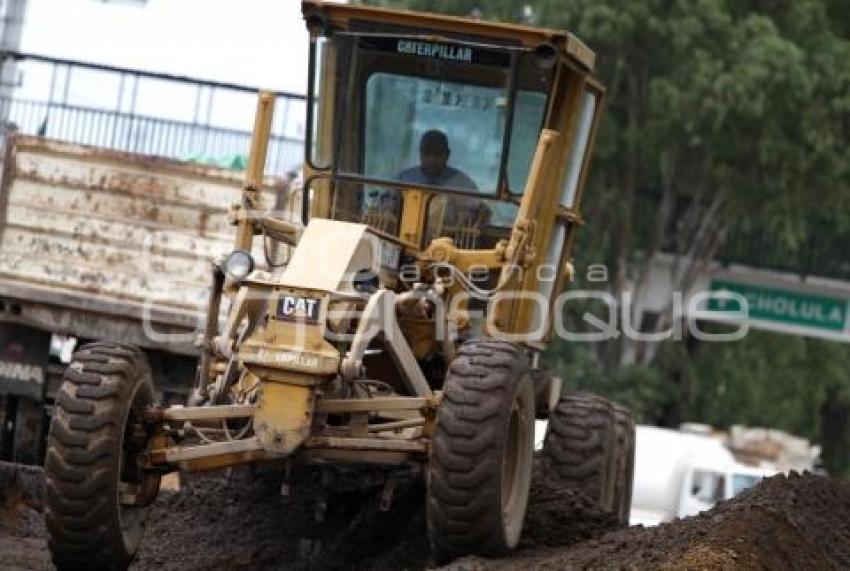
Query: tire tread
[
  {"x": 578, "y": 444},
  {"x": 464, "y": 495},
  {"x": 83, "y": 456}
]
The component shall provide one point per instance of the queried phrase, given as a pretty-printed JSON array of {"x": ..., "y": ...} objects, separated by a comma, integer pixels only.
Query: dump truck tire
[
  {"x": 97, "y": 426},
  {"x": 625, "y": 455},
  {"x": 479, "y": 472},
  {"x": 580, "y": 448}
]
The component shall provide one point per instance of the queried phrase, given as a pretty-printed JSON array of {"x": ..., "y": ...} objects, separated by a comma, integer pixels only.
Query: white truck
[{"x": 679, "y": 474}]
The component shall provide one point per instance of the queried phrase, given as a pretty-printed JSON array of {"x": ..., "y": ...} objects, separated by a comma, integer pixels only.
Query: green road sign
[{"x": 783, "y": 306}]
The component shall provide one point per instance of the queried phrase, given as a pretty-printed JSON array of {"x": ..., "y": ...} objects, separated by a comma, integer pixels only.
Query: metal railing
[
  {"x": 150, "y": 113},
  {"x": 145, "y": 135}
]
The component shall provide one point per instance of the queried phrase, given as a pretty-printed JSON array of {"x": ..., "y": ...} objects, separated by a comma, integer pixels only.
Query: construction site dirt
[{"x": 240, "y": 520}]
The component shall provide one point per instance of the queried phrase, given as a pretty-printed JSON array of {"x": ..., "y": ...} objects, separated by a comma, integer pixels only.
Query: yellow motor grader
[{"x": 444, "y": 164}]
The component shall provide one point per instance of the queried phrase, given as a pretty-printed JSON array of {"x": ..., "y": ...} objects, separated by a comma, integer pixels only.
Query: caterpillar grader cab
[{"x": 444, "y": 164}]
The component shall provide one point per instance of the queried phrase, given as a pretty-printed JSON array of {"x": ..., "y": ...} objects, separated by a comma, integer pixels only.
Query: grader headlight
[{"x": 238, "y": 265}]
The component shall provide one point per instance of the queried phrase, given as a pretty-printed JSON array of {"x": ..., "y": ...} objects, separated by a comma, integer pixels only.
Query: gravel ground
[{"x": 239, "y": 520}]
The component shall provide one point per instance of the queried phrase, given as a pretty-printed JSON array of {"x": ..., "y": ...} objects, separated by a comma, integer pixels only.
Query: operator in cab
[
  {"x": 433, "y": 168},
  {"x": 455, "y": 215},
  {"x": 458, "y": 216}
]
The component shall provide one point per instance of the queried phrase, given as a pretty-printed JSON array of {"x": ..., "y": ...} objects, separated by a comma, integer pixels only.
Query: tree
[
  {"x": 723, "y": 117},
  {"x": 702, "y": 124}
]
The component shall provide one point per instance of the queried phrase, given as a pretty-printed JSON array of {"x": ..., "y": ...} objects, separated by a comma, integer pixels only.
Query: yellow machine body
[{"x": 338, "y": 355}]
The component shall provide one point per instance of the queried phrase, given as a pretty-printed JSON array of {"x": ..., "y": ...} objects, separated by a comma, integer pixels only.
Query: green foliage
[
  {"x": 764, "y": 378},
  {"x": 707, "y": 96},
  {"x": 746, "y": 103},
  {"x": 643, "y": 389}
]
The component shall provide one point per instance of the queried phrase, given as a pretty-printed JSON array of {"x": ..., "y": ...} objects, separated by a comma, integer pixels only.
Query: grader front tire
[
  {"x": 94, "y": 436},
  {"x": 480, "y": 468}
]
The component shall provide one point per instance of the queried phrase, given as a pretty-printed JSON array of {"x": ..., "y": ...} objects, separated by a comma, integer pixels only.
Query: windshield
[
  {"x": 433, "y": 132},
  {"x": 414, "y": 113},
  {"x": 447, "y": 134},
  {"x": 741, "y": 482}
]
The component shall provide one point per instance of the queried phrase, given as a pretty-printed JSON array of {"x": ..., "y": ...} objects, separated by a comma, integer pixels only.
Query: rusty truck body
[{"x": 102, "y": 245}]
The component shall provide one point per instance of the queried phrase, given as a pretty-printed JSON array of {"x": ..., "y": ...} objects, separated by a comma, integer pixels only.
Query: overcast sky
[
  {"x": 258, "y": 43},
  {"x": 255, "y": 42}
]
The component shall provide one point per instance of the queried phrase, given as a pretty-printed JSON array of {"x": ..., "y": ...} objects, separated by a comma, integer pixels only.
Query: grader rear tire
[
  {"x": 95, "y": 434},
  {"x": 625, "y": 454},
  {"x": 479, "y": 472},
  {"x": 580, "y": 447}
]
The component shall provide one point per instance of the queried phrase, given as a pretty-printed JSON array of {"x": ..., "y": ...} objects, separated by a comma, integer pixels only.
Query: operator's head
[{"x": 433, "y": 152}]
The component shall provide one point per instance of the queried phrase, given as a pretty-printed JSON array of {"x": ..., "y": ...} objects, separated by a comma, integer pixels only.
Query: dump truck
[
  {"x": 444, "y": 165},
  {"x": 97, "y": 244}
]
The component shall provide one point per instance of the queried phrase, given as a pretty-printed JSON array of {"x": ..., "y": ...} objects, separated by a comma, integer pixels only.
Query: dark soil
[
  {"x": 559, "y": 516},
  {"x": 265, "y": 530},
  {"x": 239, "y": 520},
  {"x": 796, "y": 522},
  {"x": 22, "y": 532}
]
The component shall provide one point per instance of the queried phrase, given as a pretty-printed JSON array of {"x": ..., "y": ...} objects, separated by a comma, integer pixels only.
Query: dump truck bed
[{"x": 101, "y": 244}]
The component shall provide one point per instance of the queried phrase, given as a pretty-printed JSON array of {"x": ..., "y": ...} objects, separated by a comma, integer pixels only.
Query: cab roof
[{"x": 345, "y": 16}]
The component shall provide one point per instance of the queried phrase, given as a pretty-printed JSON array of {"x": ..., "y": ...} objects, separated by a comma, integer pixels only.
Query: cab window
[
  {"x": 528, "y": 119},
  {"x": 578, "y": 152},
  {"x": 471, "y": 222},
  {"x": 410, "y": 118},
  {"x": 379, "y": 206},
  {"x": 708, "y": 486},
  {"x": 451, "y": 117}
]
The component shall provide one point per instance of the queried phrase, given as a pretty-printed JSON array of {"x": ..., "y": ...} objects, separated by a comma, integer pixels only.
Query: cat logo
[{"x": 293, "y": 307}]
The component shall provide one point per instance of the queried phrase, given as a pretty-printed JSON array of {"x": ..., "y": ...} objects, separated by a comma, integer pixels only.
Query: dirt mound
[
  {"x": 239, "y": 520},
  {"x": 559, "y": 516},
  {"x": 795, "y": 522}
]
